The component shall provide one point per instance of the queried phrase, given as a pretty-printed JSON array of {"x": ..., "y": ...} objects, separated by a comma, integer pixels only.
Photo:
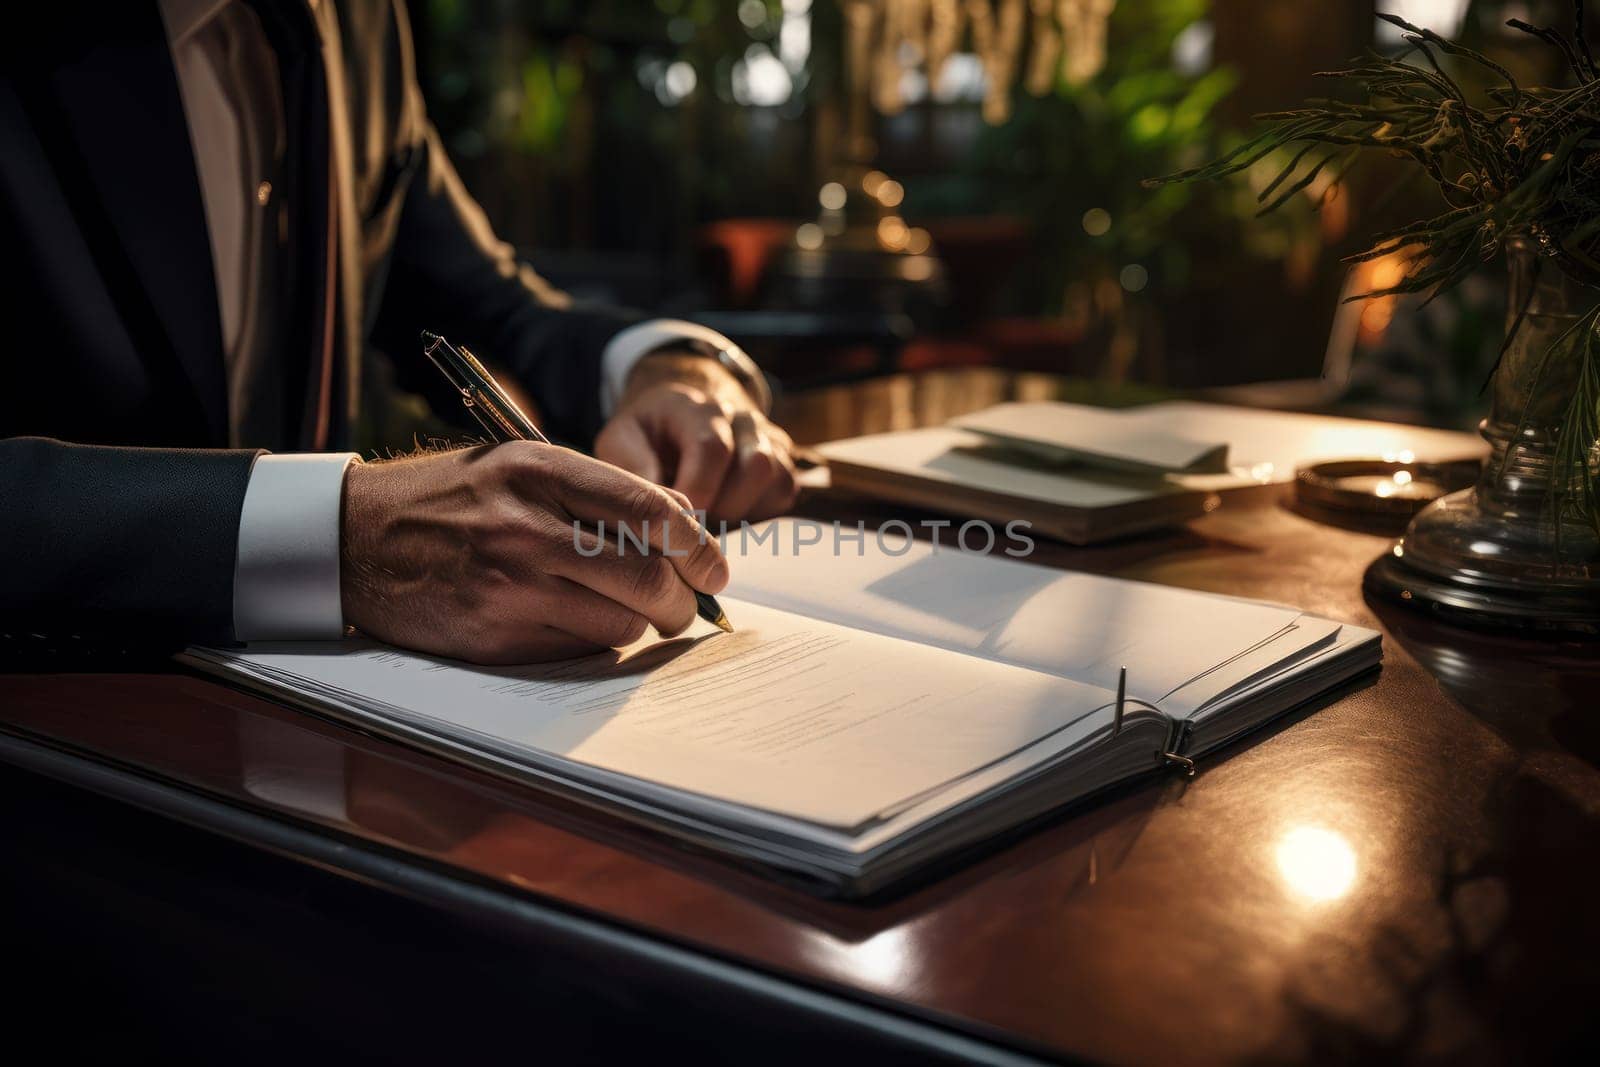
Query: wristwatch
[{"x": 735, "y": 361}]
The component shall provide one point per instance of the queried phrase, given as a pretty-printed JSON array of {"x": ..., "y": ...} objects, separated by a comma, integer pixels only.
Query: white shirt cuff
[
  {"x": 633, "y": 344},
  {"x": 286, "y": 573}
]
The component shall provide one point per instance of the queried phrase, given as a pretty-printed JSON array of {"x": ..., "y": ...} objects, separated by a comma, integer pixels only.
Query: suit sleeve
[
  {"x": 132, "y": 543},
  {"x": 449, "y": 273}
]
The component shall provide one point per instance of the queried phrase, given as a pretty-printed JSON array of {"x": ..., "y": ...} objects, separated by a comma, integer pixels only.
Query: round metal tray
[{"x": 1379, "y": 492}]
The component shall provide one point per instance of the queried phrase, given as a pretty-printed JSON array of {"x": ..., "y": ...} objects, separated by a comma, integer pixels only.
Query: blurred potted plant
[
  {"x": 1519, "y": 169},
  {"x": 1135, "y": 279}
]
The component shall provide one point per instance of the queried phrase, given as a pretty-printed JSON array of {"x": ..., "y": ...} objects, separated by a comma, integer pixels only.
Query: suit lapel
[
  {"x": 345, "y": 349},
  {"x": 116, "y": 95}
]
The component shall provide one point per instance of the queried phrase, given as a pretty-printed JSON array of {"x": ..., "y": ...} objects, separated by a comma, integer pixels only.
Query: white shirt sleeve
[
  {"x": 286, "y": 572},
  {"x": 633, "y": 344}
]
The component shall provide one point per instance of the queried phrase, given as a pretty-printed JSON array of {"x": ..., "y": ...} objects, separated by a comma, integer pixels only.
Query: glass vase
[{"x": 1502, "y": 554}]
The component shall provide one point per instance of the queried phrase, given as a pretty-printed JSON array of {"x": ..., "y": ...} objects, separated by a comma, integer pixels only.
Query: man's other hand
[
  {"x": 473, "y": 554},
  {"x": 685, "y": 421}
]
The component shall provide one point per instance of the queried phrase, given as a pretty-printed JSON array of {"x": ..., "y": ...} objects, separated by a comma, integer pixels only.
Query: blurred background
[{"x": 856, "y": 187}]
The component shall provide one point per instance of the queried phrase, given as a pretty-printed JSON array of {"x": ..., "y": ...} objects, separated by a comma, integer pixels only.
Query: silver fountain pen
[{"x": 503, "y": 420}]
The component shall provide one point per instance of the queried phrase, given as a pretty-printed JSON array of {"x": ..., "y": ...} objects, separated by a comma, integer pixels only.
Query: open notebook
[{"x": 873, "y": 713}]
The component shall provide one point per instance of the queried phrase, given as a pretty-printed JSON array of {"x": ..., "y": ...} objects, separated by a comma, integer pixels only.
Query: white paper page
[
  {"x": 1350, "y": 652},
  {"x": 1097, "y": 436},
  {"x": 790, "y": 715},
  {"x": 1072, "y": 625},
  {"x": 968, "y": 460},
  {"x": 1267, "y": 446},
  {"x": 1308, "y": 635}
]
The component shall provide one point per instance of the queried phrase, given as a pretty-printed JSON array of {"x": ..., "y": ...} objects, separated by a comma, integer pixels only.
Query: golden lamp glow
[
  {"x": 1316, "y": 863},
  {"x": 892, "y": 233},
  {"x": 1382, "y": 273}
]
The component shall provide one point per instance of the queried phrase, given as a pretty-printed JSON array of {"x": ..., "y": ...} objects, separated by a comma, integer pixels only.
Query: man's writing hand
[
  {"x": 686, "y": 422},
  {"x": 472, "y": 554}
]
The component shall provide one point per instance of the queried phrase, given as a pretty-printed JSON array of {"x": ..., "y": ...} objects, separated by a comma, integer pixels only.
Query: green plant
[
  {"x": 1508, "y": 160},
  {"x": 1072, "y": 149}
]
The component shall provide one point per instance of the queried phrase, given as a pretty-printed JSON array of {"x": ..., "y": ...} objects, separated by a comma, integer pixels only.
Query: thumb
[{"x": 624, "y": 443}]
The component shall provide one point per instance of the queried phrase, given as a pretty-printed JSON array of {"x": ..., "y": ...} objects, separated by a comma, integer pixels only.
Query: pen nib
[{"x": 709, "y": 610}]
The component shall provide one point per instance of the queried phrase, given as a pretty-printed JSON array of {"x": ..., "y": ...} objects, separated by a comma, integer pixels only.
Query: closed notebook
[
  {"x": 1096, "y": 438},
  {"x": 880, "y": 710},
  {"x": 1082, "y": 474},
  {"x": 962, "y": 473}
]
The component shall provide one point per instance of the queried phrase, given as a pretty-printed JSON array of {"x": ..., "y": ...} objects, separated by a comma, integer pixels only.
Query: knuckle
[
  {"x": 516, "y": 453},
  {"x": 513, "y": 459},
  {"x": 648, "y": 502},
  {"x": 654, "y": 580}
]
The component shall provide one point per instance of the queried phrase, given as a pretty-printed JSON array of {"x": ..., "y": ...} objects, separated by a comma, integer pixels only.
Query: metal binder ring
[{"x": 1183, "y": 761}]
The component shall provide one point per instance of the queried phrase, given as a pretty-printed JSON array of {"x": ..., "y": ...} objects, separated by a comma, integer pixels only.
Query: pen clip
[
  {"x": 492, "y": 397},
  {"x": 438, "y": 351},
  {"x": 481, "y": 415},
  {"x": 486, "y": 407}
]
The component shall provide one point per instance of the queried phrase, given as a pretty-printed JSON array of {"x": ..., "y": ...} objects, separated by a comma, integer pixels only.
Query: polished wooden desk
[{"x": 1406, "y": 873}]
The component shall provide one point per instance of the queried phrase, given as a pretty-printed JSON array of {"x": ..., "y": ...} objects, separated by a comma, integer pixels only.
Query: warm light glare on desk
[
  {"x": 1317, "y": 863},
  {"x": 885, "y": 960}
]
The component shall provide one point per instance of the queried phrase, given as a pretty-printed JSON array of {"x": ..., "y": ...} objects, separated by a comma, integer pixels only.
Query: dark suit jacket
[{"x": 111, "y": 328}]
